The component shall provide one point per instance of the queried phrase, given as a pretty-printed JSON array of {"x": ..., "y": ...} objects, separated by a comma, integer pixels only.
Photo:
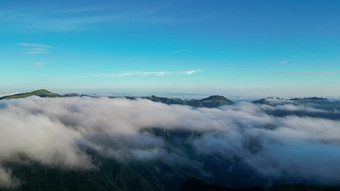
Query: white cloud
[
  {"x": 139, "y": 73},
  {"x": 8, "y": 94},
  {"x": 276, "y": 147},
  {"x": 287, "y": 106},
  {"x": 191, "y": 72}
]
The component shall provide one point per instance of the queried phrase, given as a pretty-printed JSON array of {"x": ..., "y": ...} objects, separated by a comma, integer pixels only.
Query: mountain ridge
[{"x": 212, "y": 101}]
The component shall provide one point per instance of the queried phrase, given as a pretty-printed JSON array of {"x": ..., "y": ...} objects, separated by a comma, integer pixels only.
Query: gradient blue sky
[{"x": 229, "y": 47}]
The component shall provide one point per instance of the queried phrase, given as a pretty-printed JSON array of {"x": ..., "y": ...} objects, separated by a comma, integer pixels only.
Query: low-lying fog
[{"x": 58, "y": 131}]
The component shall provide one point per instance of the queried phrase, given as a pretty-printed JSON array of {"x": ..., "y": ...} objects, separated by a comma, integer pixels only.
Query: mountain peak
[
  {"x": 40, "y": 93},
  {"x": 215, "y": 101},
  {"x": 215, "y": 98}
]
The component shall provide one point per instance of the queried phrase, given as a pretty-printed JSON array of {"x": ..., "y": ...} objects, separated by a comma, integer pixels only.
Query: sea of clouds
[{"x": 57, "y": 132}]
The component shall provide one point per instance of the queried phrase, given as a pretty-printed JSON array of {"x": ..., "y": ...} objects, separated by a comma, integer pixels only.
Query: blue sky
[{"x": 228, "y": 47}]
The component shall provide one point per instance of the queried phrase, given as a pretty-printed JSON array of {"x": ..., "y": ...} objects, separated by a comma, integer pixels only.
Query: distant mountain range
[
  {"x": 213, "y": 101},
  {"x": 302, "y": 107},
  {"x": 277, "y": 100},
  {"x": 209, "y": 102}
]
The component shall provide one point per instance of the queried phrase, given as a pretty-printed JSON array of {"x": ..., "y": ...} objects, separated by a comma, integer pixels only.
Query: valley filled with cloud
[{"x": 282, "y": 143}]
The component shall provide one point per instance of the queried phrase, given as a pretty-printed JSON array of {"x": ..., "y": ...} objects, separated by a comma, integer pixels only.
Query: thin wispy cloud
[
  {"x": 36, "y": 49},
  {"x": 35, "y": 45},
  {"x": 140, "y": 73},
  {"x": 36, "y": 52},
  {"x": 39, "y": 64},
  {"x": 88, "y": 18},
  {"x": 32, "y": 48},
  {"x": 54, "y": 18},
  {"x": 308, "y": 73}
]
